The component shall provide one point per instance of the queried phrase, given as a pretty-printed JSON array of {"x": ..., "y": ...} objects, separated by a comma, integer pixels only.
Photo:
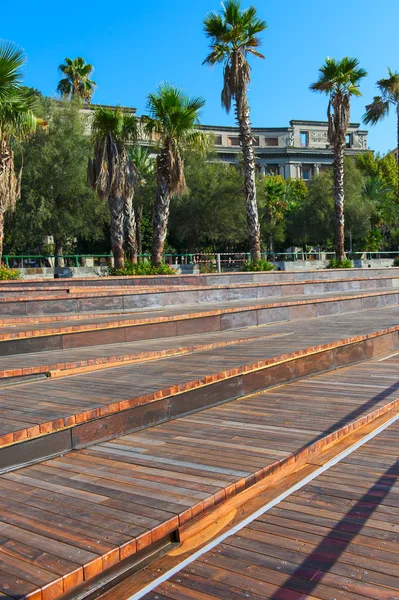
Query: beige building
[{"x": 299, "y": 151}]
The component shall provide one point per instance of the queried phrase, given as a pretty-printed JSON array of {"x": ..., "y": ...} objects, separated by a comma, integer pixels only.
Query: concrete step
[
  {"x": 205, "y": 279},
  {"x": 24, "y": 301}
]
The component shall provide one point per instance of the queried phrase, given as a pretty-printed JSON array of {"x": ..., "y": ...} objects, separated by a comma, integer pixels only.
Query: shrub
[
  {"x": 143, "y": 268},
  {"x": 395, "y": 261},
  {"x": 258, "y": 265},
  {"x": 6, "y": 273},
  {"x": 207, "y": 267},
  {"x": 337, "y": 264}
]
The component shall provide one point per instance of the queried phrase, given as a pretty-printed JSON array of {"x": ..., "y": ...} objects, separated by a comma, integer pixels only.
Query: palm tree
[
  {"x": 379, "y": 108},
  {"x": 17, "y": 121},
  {"x": 112, "y": 175},
  {"x": 234, "y": 35},
  {"x": 172, "y": 123},
  {"x": 340, "y": 81},
  {"x": 76, "y": 82},
  {"x": 144, "y": 168}
]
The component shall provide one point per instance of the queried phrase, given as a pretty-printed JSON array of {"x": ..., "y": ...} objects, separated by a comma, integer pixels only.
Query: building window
[
  {"x": 304, "y": 139},
  {"x": 218, "y": 140},
  {"x": 271, "y": 141},
  {"x": 233, "y": 141},
  {"x": 255, "y": 140},
  {"x": 305, "y": 174},
  {"x": 348, "y": 140}
]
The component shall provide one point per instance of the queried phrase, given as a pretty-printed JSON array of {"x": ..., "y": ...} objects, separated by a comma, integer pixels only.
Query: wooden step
[
  {"x": 80, "y": 515},
  {"x": 46, "y": 418},
  {"x": 178, "y": 321}
]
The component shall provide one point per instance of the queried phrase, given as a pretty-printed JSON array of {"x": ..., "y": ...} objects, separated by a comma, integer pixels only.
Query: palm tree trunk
[
  {"x": 116, "y": 205},
  {"x": 242, "y": 113},
  {"x": 139, "y": 233},
  {"x": 1, "y": 233},
  {"x": 161, "y": 211},
  {"x": 397, "y": 149},
  {"x": 130, "y": 230},
  {"x": 339, "y": 202}
]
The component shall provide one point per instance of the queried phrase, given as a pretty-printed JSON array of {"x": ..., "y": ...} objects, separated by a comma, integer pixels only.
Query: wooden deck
[
  {"x": 335, "y": 538},
  {"x": 38, "y": 408},
  {"x": 68, "y": 519}
]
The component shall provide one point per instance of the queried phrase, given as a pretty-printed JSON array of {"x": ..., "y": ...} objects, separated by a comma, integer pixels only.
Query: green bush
[
  {"x": 142, "y": 268},
  {"x": 258, "y": 265},
  {"x": 207, "y": 267},
  {"x": 395, "y": 261},
  {"x": 7, "y": 274},
  {"x": 340, "y": 264}
]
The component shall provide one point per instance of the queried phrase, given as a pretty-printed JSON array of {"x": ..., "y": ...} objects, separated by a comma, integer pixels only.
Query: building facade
[{"x": 300, "y": 151}]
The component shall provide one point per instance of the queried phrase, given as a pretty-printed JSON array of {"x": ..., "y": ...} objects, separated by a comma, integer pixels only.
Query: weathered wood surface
[
  {"x": 67, "y": 519},
  {"x": 41, "y": 407},
  {"x": 335, "y": 538}
]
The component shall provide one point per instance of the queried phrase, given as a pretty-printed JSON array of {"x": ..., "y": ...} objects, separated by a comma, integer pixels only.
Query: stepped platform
[
  {"x": 54, "y": 415},
  {"x": 72, "y": 521},
  {"x": 24, "y": 301},
  {"x": 134, "y": 408},
  {"x": 18, "y": 338},
  {"x": 203, "y": 279},
  {"x": 336, "y": 537}
]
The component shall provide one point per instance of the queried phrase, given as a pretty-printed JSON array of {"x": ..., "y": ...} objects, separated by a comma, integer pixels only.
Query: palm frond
[{"x": 376, "y": 111}]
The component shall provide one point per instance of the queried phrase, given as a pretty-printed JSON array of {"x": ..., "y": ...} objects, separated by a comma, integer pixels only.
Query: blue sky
[{"x": 135, "y": 45}]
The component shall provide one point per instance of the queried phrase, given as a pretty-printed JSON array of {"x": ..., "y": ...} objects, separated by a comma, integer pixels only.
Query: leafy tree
[
  {"x": 277, "y": 199},
  {"x": 234, "y": 34},
  {"x": 112, "y": 174},
  {"x": 172, "y": 122},
  {"x": 76, "y": 82},
  {"x": 210, "y": 216},
  {"x": 340, "y": 81},
  {"x": 380, "y": 107},
  {"x": 55, "y": 198},
  {"x": 312, "y": 220},
  {"x": 17, "y": 122}
]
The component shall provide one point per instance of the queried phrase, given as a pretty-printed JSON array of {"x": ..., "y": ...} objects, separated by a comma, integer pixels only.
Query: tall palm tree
[
  {"x": 379, "y": 108},
  {"x": 17, "y": 121},
  {"x": 172, "y": 123},
  {"x": 234, "y": 34},
  {"x": 340, "y": 81},
  {"x": 144, "y": 164},
  {"x": 76, "y": 82},
  {"x": 112, "y": 174}
]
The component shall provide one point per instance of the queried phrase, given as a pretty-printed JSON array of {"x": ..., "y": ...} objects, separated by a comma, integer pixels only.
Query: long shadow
[
  {"x": 358, "y": 412},
  {"x": 310, "y": 573}
]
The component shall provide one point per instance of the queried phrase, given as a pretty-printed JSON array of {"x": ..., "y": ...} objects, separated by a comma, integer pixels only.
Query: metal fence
[{"x": 209, "y": 261}]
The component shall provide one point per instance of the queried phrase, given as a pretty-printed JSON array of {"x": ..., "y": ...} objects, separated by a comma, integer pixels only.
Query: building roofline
[{"x": 295, "y": 122}]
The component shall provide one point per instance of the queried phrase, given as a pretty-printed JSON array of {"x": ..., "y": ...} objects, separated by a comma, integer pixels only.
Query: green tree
[
  {"x": 17, "y": 122},
  {"x": 234, "y": 34},
  {"x": 55, "y": 199},
  {"x": 380, "y": 107},
  {"x": 312, "y": 220},
  {"x": 76, "y": 82},
  {"x": 210, "y": 216},
  {"x": 173, "y": 123},
  {"x": 340, "y": 81},
  {"x": 112, "y": 174}
]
